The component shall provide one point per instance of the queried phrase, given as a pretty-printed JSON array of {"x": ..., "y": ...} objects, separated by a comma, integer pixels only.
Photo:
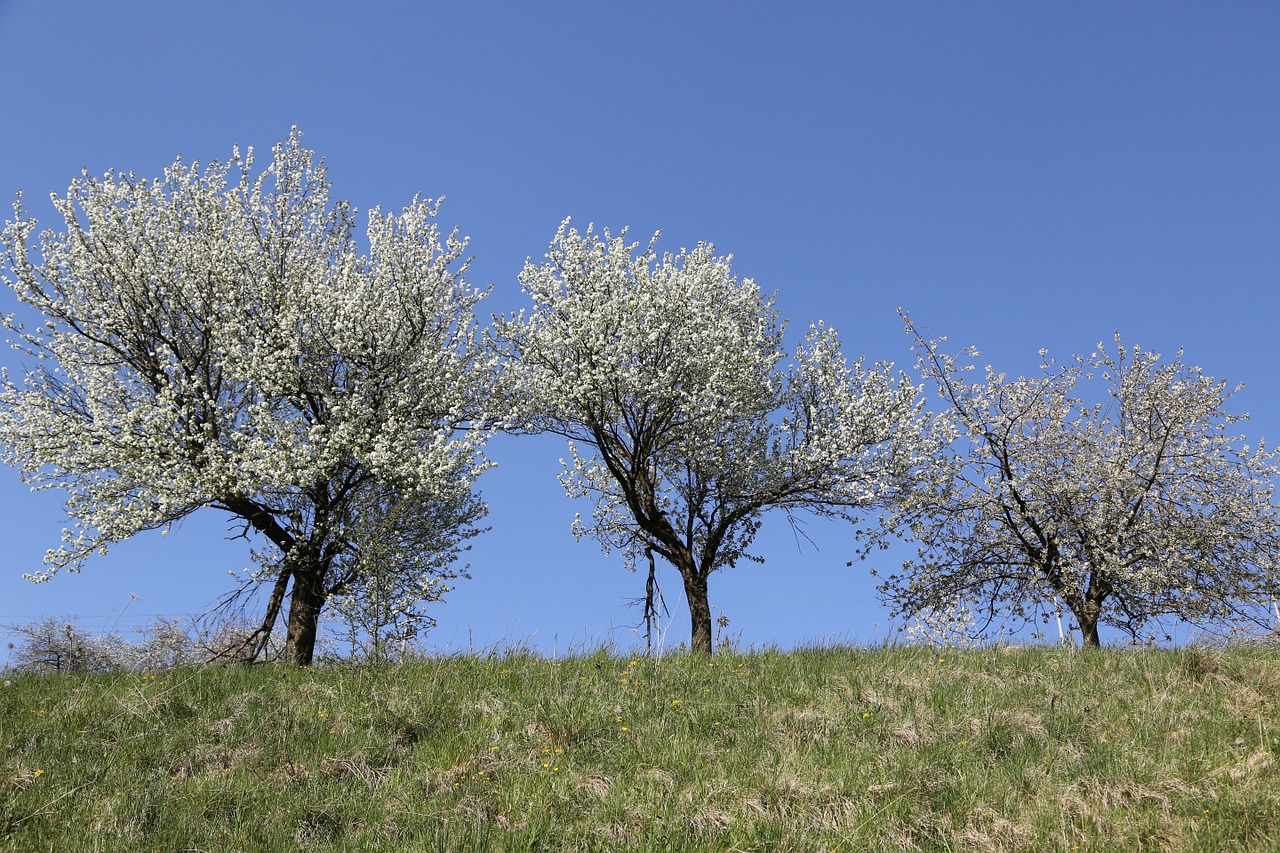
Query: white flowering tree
[
  {"x": 685, "y": 425},
  {"x": 1131, "y": 507},
  {"x": 216, "y": 338}
]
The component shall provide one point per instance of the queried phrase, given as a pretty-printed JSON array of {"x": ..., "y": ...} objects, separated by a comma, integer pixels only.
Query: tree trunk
[
  {"x": 1091, "y": 613},
  {"x": 305, "y": 603},
  {"x": 1089, "y": 633},
  {"x": 1088, "y": 614},
  {"x": 695, "y": 590}
]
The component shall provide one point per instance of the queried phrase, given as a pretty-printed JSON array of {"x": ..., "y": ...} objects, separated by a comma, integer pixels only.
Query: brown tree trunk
[
  {"x": 1089, "y": 633},
  {"x": 1091, "y": 613},
  {"x": 305, "y": 603},
  {"x": 1088, "y": 614},
  {"x": 695, "y": 590}
]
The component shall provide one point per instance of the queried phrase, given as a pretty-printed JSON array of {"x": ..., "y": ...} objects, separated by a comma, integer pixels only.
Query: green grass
[{"x": 835, "y": 749}]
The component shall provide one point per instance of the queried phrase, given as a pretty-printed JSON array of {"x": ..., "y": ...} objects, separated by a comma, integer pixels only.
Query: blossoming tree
[
  {"x": 667, "y": 376},
  {"x": 1134, "y": 508},
  {"x": 216, "y": 338}
]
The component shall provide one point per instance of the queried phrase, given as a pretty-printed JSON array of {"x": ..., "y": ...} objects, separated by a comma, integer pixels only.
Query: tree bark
[
  {"x": 305, "y": 603},
  {"x": 1091, "y": 613},
  {"x": 695, "y": 590},
  {"x": 1088, "y": 614},
  {"x": 1089, "y": 633}
]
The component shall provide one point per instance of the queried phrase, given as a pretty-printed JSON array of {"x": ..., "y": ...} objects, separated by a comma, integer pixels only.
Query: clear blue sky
[{"x": 1018, "y": 175}]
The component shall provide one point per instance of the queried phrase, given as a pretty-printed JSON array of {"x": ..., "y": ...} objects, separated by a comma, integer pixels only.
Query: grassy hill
[{"x": 835, "y": 749}]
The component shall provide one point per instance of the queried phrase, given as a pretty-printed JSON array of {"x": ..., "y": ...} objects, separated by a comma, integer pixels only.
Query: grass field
[{"x": 833, "y": 749}]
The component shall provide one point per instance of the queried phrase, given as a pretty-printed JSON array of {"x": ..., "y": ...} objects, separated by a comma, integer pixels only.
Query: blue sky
[{"x": 1017, "y": 175}]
